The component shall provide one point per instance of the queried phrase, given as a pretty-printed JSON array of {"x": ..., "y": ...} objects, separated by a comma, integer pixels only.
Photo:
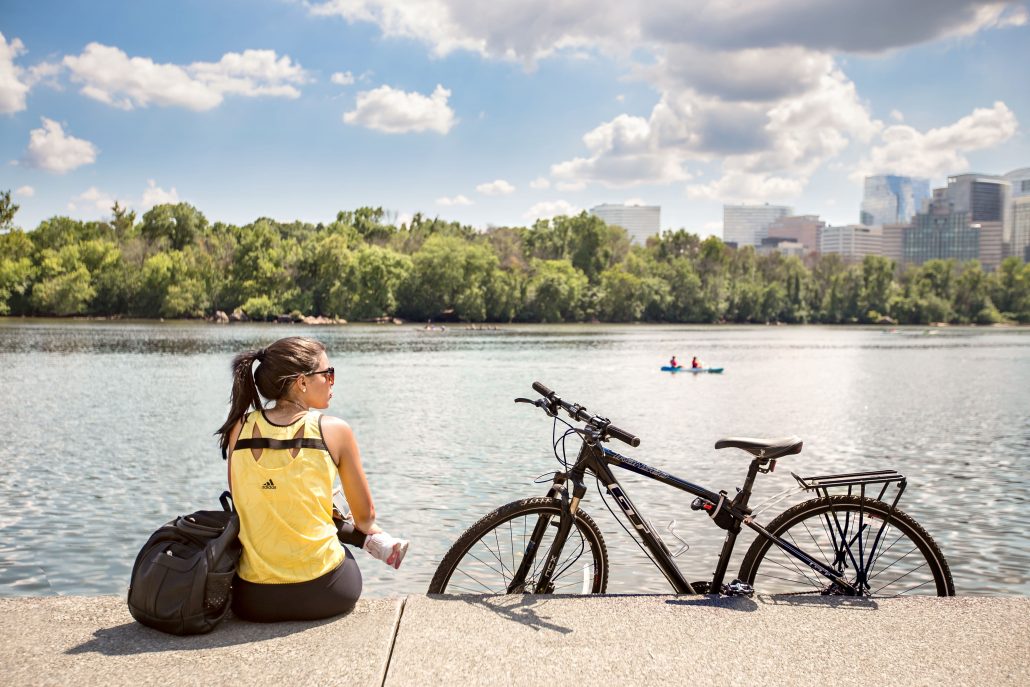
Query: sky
[{"x": 500, "y": 113}]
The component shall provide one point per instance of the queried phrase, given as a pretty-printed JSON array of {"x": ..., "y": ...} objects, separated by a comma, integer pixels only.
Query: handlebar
[{"x": 579, "y": 413}]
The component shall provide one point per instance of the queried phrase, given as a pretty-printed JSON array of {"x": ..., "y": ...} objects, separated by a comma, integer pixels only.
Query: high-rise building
[
  {"x": 1019, "y": 179},
  {"x": 894, "y": 242},
  {"x": 782, "y": 246},
  {"x": 747, "y": 225},
  {"x": 892, "y": 199},
  {"x": 802, "y": 229},
  {"x": 1020, "y": 246},
  {"x": 942, "y": 232},
  {"x": 984, "y": 198},
  {"x": 852, "y": 242},
  {"x": 1019, "y": 239},
  {"x": 639, "y": 221}
]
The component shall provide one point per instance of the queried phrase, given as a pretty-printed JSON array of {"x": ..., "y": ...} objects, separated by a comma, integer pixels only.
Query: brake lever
[{"x": 540, "y": 403}]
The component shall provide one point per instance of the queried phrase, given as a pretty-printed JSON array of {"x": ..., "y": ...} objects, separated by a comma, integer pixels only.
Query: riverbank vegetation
[{"x": 173, "y": 263}]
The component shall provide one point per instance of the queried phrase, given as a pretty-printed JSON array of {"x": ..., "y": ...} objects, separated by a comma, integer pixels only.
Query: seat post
[{"x": 745, "y": 491}]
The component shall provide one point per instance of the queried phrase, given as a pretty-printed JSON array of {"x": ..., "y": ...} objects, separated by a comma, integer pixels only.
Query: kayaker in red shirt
[
  {"x": 695, "y": 363},
  {"x": 673, "y": 363}
]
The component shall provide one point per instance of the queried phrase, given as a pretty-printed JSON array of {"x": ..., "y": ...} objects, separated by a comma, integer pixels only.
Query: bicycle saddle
[{"x": 763, "y": 448}]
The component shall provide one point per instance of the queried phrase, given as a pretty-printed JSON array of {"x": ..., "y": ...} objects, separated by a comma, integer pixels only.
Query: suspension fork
[
  {"x": 557, "y": 490},
  {"x": 568, "y": 516}
]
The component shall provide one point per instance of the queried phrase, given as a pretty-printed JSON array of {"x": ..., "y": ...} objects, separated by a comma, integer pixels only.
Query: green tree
[
  {"x": 554, "y": 292},
  {"x": 448, "y": 274},
  {"x": 972, "y": 300},
  {"x": 179, "y": 224},
  {"x": 7, "y": 211},
  {"x": 17, "y": 272},
  {"x": 877, "y": 287},
  {"x": 1010, "y": 289}
]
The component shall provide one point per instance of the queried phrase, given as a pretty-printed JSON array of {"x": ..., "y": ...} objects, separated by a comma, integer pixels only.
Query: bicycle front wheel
[
  {"x": 879, "y": 551},
  {"x": 486, "y": 558}
]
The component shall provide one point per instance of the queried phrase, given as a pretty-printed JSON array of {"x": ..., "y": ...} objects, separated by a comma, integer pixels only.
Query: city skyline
[{"x": 300, "y": 109}]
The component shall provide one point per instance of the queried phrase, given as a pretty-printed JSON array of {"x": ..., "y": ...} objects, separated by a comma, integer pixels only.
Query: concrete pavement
[{"x": 646, "y": 640}]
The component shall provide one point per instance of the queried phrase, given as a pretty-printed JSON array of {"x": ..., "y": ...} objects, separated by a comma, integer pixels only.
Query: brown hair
[{"x": 279, "y": 364}]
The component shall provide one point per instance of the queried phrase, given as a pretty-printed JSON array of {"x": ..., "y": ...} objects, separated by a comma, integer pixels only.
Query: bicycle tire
[
  {"x": 585, "y": 532},
  {"x": 822, "y": 522}
]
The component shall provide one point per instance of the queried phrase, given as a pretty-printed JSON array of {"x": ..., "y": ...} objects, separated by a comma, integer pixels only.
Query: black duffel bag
[{"x": 182, "y": 578}]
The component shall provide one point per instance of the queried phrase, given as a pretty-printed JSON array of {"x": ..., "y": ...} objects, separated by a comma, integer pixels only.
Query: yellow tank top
[{"x": 285, "y": 503}]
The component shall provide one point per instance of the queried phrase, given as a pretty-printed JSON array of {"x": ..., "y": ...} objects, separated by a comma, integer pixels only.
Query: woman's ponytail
[{"x": 244, "y": 393}]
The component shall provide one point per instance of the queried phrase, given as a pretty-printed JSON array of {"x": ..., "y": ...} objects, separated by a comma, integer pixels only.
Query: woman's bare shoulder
[{"x": 335, "y": 427}]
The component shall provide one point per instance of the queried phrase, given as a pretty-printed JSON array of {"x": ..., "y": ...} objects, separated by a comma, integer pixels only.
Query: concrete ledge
[
  {"x": 536, "y": 640},
  {"x": 81, "y": 641}
]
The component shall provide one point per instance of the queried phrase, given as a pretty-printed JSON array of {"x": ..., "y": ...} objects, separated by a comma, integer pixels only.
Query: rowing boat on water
[{"x": 694, "y": 370}]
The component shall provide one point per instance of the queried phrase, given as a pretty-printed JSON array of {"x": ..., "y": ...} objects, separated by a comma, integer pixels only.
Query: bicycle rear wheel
[
  {"x": 485, "y": 558},
  {"x": 882, "y": 552}
]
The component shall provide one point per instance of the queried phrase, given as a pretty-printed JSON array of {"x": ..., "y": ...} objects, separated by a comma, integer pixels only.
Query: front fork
[{"x": 567, "y": 517}]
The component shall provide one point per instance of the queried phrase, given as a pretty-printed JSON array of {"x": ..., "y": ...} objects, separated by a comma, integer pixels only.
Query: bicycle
[{"x": 847, "y": 544}]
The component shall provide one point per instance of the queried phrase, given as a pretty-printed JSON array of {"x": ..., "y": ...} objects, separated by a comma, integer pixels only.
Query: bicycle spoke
[
  {"x": 874, "y": 556},
  {"x": 477, "y": 581},
  {"x": 496, "y": 570},
  {"x": 790, "y": 559}
]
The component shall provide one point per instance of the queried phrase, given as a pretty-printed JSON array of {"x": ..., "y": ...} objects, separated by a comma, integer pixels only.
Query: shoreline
[{"x": 499, "y": 326}]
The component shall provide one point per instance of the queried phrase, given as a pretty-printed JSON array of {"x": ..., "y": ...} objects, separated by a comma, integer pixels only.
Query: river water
[{"x": 107, "y": 433}]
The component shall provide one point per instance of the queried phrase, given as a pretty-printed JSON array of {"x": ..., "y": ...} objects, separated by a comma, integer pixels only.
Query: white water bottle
[{"x": 339, "y": 501}]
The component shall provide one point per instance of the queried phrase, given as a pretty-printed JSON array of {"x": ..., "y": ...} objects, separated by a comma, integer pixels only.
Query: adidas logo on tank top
[{"x": 268, "y": 485}]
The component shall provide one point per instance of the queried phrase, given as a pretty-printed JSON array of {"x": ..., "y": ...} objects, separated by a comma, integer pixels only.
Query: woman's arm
[{"x": 343, "y": 447}]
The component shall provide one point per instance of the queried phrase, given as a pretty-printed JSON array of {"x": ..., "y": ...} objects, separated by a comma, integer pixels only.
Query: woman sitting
[{"x": 283, "y": 461}]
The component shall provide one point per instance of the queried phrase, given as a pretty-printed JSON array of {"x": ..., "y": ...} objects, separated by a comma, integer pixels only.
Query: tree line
[{"x": 173, "y": 263}]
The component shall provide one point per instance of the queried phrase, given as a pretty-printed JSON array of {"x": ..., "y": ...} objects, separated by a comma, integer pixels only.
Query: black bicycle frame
[{"x": 725, "y": 512}]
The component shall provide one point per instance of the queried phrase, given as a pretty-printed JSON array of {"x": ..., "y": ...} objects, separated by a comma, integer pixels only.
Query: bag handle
[{"x": 227, "y": 503}]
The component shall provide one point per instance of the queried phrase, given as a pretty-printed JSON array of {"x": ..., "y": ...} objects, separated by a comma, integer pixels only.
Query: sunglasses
[{"x": 329, "y": 372}]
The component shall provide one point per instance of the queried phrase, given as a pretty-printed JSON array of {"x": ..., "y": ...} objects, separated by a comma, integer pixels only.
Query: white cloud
[
  {"x": 938, "y": 152},
  {"x": 12, "y": 89},
  {"x": 155, "y": 195},
  {"x": 897, "y": 115},
  {"x": 456, "y": 200},
  {"x": 109, "y": 75},
  {"x": 540, "y": 183},
  {"x": 744, "y": 187},
  {"x": 342, "y": 78},
  {"x": 533, "y": 29},
  {"x": 550, "y": 208},
  {"x": 499, "y": 187},
  {"x": 397, "y": 112},
  {"x": 623, "y": 153},
  {"x": 91, "y": 201},
  {"x": 25, "y": 191},
  {"x": 755, "y": 86},
  {"x": 51, "y": 149}
]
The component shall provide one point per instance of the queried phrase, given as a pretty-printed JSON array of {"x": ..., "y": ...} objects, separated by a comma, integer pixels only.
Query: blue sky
[{"x": 497, "y": 114}]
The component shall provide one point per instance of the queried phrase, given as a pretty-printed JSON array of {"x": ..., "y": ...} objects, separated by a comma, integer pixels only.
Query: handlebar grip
[
  {"x": 623, "y": 436},
  {"x": 542, "y": 390}
]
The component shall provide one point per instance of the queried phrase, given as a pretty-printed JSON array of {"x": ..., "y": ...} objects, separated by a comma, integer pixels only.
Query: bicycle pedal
[{"x": 738, "y": 588}]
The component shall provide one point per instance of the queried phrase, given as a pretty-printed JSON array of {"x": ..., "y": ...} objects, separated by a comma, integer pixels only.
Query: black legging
[{"x": 331, "y": 594}]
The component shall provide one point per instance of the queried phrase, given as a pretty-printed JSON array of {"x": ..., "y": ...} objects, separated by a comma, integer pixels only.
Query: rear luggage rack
[{"x": 823, "y": 483}]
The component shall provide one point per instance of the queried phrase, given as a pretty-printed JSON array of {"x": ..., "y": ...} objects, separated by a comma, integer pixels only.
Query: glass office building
[
  {"x": 747, "y": 225},
  {"x": 639, "y": 221},
  {"x": 941, "y": 236},
  {"x": 891, "y": 199}
]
